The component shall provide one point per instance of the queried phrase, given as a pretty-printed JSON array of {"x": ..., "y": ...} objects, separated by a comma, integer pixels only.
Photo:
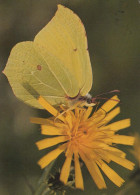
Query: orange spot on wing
[{"x": 39, "y": 67}]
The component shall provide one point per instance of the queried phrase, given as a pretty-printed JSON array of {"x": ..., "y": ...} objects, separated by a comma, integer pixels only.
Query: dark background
[{"x": 113, "y": 31}]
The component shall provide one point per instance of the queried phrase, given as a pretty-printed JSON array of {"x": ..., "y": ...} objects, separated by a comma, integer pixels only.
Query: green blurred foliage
[{"x": 113, "y": 31}]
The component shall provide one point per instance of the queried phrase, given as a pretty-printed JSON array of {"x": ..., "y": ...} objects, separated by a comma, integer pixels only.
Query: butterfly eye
[{"x": 89, "y": 100}]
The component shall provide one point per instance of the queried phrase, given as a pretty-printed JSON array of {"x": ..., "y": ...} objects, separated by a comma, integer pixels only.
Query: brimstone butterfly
[{"x": 56, "y": 64}]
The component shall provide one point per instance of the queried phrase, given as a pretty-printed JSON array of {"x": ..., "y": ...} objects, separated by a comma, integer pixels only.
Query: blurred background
[{"x": 113, "y": 31}]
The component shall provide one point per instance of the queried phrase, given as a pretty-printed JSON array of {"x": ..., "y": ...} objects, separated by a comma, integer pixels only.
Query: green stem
[{"x": 43, "y": 184}]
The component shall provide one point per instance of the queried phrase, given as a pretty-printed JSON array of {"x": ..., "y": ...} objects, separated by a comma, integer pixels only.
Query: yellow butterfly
[{"x": 56, "y": 64}]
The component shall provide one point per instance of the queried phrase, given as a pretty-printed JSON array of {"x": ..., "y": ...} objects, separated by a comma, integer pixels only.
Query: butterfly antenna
[
  {"x": 97, "y": 97},
  {"x": 113, "y": 91},
  {"x": 103, "y": 98}
]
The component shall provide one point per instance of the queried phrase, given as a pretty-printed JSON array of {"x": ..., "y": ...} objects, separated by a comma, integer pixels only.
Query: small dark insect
[{"x": 57, "y": 186}]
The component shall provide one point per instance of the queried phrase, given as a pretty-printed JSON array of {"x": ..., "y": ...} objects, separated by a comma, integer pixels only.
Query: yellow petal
[
  {"x": 94, "y": 171},
  {"x": 66, "y": 169},
  {"x": 119, "y": 125},
  {"x": 49, "y": 108},
  {"x": 68, "y": 119},
  {"x": 76, "y": 126},
  {"x": 78, "y": 174},
  {"x": 110, "y": 116},
  {"x": 111, "y": 103},
  {"x": 60, "y": 124},
  {"x": 103, "y": 155},
  {"x": 121, "y": 161},
  {"x": 82, "y": 111},
  {"x": 44, "y": 161},
  {"x": 116, "y": 151},
  {"x": 97, "y": 117},
  {"x": 42, "y": 121},
  {"x": 77, "y": 110},
  {"x": 51, "y": 130},
  {"x": 87, "y": 113},
  {"x": 123, "y": 139},
  {"x": 48, "y": 142},
  {"x": 110, "y": 173}
]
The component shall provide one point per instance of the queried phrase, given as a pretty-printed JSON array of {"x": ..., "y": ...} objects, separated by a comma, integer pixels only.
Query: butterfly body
[{"x": 80, "y": 101}]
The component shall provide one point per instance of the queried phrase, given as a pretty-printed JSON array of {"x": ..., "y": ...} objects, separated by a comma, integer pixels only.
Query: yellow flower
[{"x": 81, "y": 134}]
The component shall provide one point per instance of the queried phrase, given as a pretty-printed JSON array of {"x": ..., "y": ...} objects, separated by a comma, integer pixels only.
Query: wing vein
[{"x": 54, "y": 74}]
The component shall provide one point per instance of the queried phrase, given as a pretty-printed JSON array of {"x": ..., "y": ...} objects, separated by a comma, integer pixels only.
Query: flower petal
[
  {"x": 49, "y": 108},
  {"x": 45, "y": 160},
  {"x": 78, "y": 174},
  {"x": 110, "y": 116},
  {"x": 118, "y": 125},
  {"x": 96, "y": 118},
  {"x": 51, "y": 130},
  {"x": 110, "y": 173},
  {"x": 121, "y": 161},
  {"x": 42, "y": 121},
  {"x": 123, "y": 139},
  {"x": 87, "y": 113},
  {"x": 48, "y": 142},
  {"x": 66, "y": 169},
  {"x": 77, "y": 110},
  {"x": 94, "y": 171},
  {"x": 116, "y": 151},
  {"x": 111, "y": 103},
  {"x": 68, "y": 119}
]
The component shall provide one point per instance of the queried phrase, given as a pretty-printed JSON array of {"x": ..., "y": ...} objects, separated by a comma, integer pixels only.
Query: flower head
[{"x": 83, "y": 135}]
